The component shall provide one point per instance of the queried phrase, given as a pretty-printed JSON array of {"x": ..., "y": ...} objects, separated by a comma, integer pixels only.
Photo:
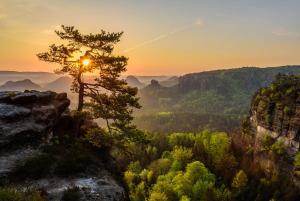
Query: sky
[{"x": 161, "y": 37}]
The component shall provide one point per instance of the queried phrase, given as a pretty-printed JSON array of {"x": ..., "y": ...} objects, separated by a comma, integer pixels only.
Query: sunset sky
[{"x": 160, "y": 36}]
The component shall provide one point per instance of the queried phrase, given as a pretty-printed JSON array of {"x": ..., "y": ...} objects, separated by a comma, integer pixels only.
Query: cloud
[
  {"x": 198, "y": 23},
  {"x": 284, "y": 32},
  {"x": 50, "y": 31}
]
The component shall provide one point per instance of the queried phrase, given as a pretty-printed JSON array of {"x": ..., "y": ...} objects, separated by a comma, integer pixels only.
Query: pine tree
[
  {"x": 109, "y": 97},
  {"x": 85, "y": 53}
]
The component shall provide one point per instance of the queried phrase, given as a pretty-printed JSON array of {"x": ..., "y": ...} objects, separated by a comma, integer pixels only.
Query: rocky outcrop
[
  {"x": 272, "y": 132},
  {"x": 27, "y": 118},
  {"x": 28, "y": 122}
]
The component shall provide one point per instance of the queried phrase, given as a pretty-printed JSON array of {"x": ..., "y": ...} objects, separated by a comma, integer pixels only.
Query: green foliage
[
  {"x": 109, "y": 96},
  {"x": 297, "y": 161},
  {"x": 72, "y": 194},
  {"x": 186, "y": 122},
  {"x": 217, "y": 100},
  {"x": 135, "y": 167},
  {"x": 12, "y": 194},
  {"x": 165, "y": 114},
  {"x": 182, "y": 139},
  {"x": 240, "y": 180},
  {"x": 286, "y": 110},
  {"x": 99, "y": 137},
  {"x": 182, "y": 155},
  {"x": 279, "y": 148},
  {"x": 157, "y": 196},
  {"x": 75, "y": 160},
  {"x": 178, "y": 175},
  {"x": 267, "y": 141},
  {"x": 160, "y": 166}
]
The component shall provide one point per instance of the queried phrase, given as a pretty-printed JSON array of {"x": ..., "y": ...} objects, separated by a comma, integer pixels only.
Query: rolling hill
[
  {"x": 20, "y": 86},
  {"x": 61, "y": 84},
  {"x": 224, "y": 93}
]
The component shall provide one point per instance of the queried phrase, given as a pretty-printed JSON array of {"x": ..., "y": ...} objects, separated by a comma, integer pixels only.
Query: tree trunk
[{"x": 80, "y": 97}]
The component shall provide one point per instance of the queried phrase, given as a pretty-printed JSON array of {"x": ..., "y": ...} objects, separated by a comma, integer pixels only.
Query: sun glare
[{"x": 86, "y": 62}]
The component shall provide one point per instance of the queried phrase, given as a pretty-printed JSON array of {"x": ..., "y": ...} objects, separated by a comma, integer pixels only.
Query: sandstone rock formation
[
  {"x": 272, "y": 132},
  {"x": 27, "y": 121}
]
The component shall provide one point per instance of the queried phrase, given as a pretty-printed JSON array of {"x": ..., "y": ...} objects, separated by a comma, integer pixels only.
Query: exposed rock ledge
[
  {"x": 26, "y": 123},
  {"x": 270, "y": 138}
]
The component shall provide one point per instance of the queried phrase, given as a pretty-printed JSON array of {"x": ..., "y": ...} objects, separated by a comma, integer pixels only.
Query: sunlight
[{"x": 86, "y": 62}]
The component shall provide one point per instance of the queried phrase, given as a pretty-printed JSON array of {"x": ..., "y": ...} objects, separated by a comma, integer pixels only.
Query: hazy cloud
[
  {"x": 284, "y": 32},
  {"x": 198, "y": 23},
  {"x": 50, "y": 31}
]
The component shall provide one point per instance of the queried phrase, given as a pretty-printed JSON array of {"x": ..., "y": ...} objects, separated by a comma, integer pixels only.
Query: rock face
[
  {"x": 26, "y": 118},
  {"x": 27, "y": 121},
  {"x": 273, "y": 128}
]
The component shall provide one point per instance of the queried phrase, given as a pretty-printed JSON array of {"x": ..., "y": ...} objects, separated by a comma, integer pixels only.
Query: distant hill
[
  {"x": 219, "y": 92},
  {"x": 20, "y": 86},
  {"x": 172, "y": 81},
  {"x": 134, "y": 82},
  {"x": 62, "y": 84},
  {"x": 147, "y": 78},
  {"x": 36, "y": 77}
]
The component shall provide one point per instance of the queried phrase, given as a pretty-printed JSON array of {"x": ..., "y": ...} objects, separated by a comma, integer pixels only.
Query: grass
[{"x": 12, "y": 194}]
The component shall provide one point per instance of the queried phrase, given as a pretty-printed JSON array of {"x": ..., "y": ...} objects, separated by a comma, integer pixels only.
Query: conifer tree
[{"x": 109, "y": 96}]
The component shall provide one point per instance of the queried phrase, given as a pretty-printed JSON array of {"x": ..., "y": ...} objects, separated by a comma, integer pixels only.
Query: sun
[{"x": 86, "y": 62}]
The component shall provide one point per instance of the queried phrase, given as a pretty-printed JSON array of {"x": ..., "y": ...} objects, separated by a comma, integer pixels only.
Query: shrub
[
  {"x": 75, "y": 160},
  {"x": 34, "y": 167},
  {"x": 267, "y": 141},
  {"x": 240, "y": 180},
  {"x": 297, "y": 161},
  {"x": 12, "y": 194},
  {"x": 135, "y": 167},
  {"x": 72, "y": 194},
  {"x": 286, "y": 110},
  {"x": 279, "y": 148}
]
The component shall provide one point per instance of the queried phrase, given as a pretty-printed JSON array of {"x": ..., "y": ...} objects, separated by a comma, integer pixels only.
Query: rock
[
  {"x": 27, "y": 122},
  {"x": 99, "y": 188},
  {"x": 9, "y": 160},
  {"x": 24, "y": 98},
  {"x": 12, "y": 112},
  {"x": 29, "y": 116},
  {"x": 275, "y": 114}
]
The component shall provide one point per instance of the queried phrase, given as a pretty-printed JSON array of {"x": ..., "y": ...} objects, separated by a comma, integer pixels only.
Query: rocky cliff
[
  {"x": 271, "y": 135},
  {"x": 33, "y": 155}
]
